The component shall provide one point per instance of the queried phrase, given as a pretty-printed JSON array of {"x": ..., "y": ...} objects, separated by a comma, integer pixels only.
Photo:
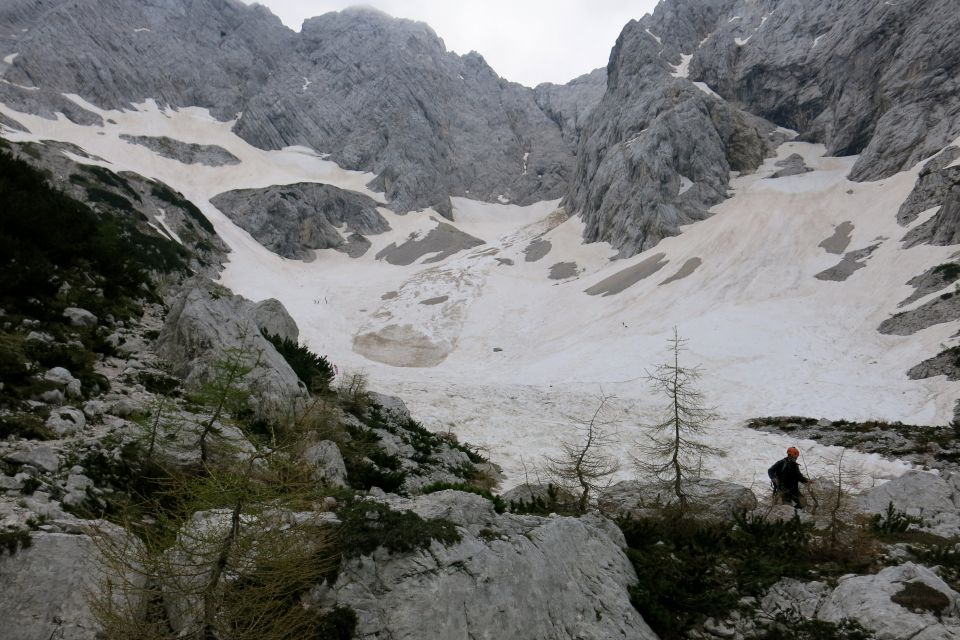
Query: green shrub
[
  {"x": 339, "y": 624},
  {"x": 949, "y": 271},
  {"x": 12, "y": 540},
  {"x": 25, "y": 425},
  {"x": 891, "y": 522},
  {"x": 366, "y": 526},
  {"x": 168, "y": 195},
  {"x": 698, "y": 569},
  {"x": 314, "y": 371}
]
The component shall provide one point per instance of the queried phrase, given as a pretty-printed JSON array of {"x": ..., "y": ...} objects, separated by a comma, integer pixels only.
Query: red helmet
[{"x": 793, "y": 452}]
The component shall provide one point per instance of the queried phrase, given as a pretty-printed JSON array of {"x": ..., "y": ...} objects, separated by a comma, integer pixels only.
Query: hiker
[{"x": 786, "y": 478}]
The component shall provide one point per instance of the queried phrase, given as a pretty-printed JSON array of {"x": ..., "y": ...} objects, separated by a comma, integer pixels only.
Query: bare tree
[
  {"x": 673, "y": 452},
  {"x": 584, "y": 465}
]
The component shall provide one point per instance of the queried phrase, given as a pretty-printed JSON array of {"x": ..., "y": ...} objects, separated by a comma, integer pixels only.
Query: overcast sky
[{"x": 527, "y": 41}]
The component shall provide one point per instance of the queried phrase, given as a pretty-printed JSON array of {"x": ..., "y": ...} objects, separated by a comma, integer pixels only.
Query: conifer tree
[{"x": 674, "y": 452}]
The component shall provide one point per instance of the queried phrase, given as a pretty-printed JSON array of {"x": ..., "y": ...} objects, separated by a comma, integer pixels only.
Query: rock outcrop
[
  {"x": 657, "y": 152},
  {"x": 494, "y": 577},
  {"x": 872, "y": 78},
  {"x": 207, "y": 326},
  {"x": 295, "y": 220}
]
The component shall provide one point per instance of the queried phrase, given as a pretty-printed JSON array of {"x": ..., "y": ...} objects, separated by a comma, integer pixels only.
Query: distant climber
[{"x": 785, "y": 475}]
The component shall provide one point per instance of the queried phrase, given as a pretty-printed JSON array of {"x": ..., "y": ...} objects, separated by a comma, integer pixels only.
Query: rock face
[
  {"x": 493, "y": 579},
  {"x": 271, "y": 316},
  {"x": 187, "y": 153},
  {"x": 294, "y": 220},
  {"x": 208, "y": 53},
  {"x": 205, "y": 326},
  {"x": 384, "y": 95},
  {"x": 872, "y": 78},
  {"x": 657, "y": 151},
  {"x": 570, "y": 105},
  {"x": 45, "y": 587},
  {"x": 377, "y": 93}
]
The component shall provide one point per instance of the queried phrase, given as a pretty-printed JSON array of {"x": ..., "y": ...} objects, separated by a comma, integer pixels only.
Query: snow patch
[
  {"x": 10, "y": 58},
  {"x": 526, "y": 155},
  {"x": 817, "y": 40},
  {"x": 19, "y": 86},
  {"x": 706, "y": 89},
  {"x": 732, "y": 19},
  {"x": 654, "y": 37},
  {"x": 685, "y": 184},
  {"x": 633, "y": 139},
  {"x": 141, "y": 30},
  {"x": 682, "y": 70},
  {"x": 306, "y": 83},
  {"x": 161, "y": 217},
  {"x": 502, "y": 199},
  {"x": 742, "y": 41}
]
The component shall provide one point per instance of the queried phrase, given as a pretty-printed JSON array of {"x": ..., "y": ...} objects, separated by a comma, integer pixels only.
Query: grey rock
[
  {"x": 444, "y": 240},
  {"x": 295, "y": 220},
  {"x": 214, "y": 54},
  {"x": 384, "y": 95},
  {"x": 39, "y": 336},
  {"x": 393, "y": 406},
  {"x": 43, "y": 458},
  {"x": 94, "y": 409},
  {"x": 185, "y": 152},
  {"x": 45, "y": 588},
  {"x": 570, "y": 104},
  {"x": 943, "y": 228},
  {"x": 124, "y": 408},
  {"x": 271, "y": 316},
  {"x": 526, "y": 578},
  {"x": 915, "y": 493},
  {"x": 53, "y": 396},
  {"x": 59, "y": 376},
  {"x": 851, "y": 262},
  {"x": 792, "y": 165},
  {"x": 10, "y": 484},
  {"x": 713, "y": 499},
  {"x": 840, "y": 240},
  {"x": 945, "y": 308},
  {"x": 934, "y": 181},
  {"x": 861, "y": 77},
  {"x": 867, "y": 599},
  {"x": 65, "y": 421},
  {"x": 657, "y": 152},
  {"x": 946, "y": 363},
  {"x": 795, "y": 596},
  {"x": 204, "y": 323},
  {"x": 327, "y": 463},
  {"x": 933, "y": 279},
  {"x": 80, "y": 317}
]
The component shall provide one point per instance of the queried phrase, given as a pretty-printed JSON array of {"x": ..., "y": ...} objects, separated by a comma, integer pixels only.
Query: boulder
[
  {"x": 327, "y": 463},
  {"x": 915, "y": 493},
  {"x": 206, "y": 327},
  {"x": 79, "y": 317},
  {"x": 64, "y": 380},
  {"x": 65, "y": 421},
  {"x": 521, "y": 577},
  {"x": 272, "y": 317},
  {"x": 124, "y": 408},
  {"x": 871, "y": 600},
  {"x": 709, "y": 498},
  {"x": 43, "y": 458}
]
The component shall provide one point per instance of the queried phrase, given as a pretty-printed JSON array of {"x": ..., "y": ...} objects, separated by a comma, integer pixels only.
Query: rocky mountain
[
  {"x": 871, "y": 78},
  {"x": 375, "y": 93}
]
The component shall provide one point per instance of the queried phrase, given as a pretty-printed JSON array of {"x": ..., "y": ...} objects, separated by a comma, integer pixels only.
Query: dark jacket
[{"x": 786, "y": 475}]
